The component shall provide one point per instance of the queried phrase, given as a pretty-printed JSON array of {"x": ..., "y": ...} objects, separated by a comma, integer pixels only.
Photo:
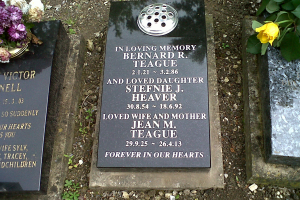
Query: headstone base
[
  {"x": 139, "y": 179},
  {"x": 258, "y": 171}
]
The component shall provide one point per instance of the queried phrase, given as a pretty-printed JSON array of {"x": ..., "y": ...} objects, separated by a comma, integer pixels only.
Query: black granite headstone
[
  {"x": 280, "y": 98},
  {"x": 28, "y": 107},
  {"x": 154, "y": 111}
]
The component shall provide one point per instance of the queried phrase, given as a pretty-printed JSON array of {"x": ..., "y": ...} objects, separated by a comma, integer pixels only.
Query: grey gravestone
[
  {"x": 280, "y": 97},
  {"x": 154, "y": 111},
  {"x": 29, "y": 94}
]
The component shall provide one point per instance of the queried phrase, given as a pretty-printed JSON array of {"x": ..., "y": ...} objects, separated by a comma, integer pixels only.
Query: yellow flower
[{"x": 268, "y": 33}]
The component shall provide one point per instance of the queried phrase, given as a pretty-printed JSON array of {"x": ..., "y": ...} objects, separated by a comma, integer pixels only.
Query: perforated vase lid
[{"x": 158, "y": 19}]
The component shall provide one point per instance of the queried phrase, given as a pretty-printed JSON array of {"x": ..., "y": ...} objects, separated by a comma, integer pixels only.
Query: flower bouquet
[
  {"x": 15, "y": 18},
  {"x": 281, "y": 29}
]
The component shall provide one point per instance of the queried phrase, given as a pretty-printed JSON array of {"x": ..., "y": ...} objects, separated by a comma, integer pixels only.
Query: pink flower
[
  {"x": 4, "y": 55},
  {"x": 17, "y": 32},
  {"x": 15, "y": 13}
]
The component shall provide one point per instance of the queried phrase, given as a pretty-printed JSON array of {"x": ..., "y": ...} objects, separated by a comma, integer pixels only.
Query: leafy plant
[
  {"x": 237, "y": 179},
  {"x": 225, "y": 45},
  {"x": 70, "y": 161},
  {"x": 72, "y": 31},
  {"x": 68, "y": 183},
  {"x": 70, "y": 22},
  {"x": 284, "y": 14},
  {"x": 71, "y": 192},
  {"x": 82, "y": 129},
  {"x": 89, "y": 114}
]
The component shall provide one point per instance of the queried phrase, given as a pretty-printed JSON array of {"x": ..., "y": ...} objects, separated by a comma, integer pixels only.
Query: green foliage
[
  {"x": 254, "y": 45},
  {"x": 72, "y": 31},
  {"x": 70, "y": 157},
  {"x": 296, "y": 12},
  {"x": 89, "y": 113},
  {"x": 70, "y": 22},
  {"x": 71, "y": 191},
  {"x": 68, "y": 183},
  {"x": 225, "y": 45},
  {"x": 70, "y": 161},
  {"x": 264, "y": 48},
  {"x": 177, "y": 196},
  {"x": 272, "y": 6},
  {"x": 262, "y": 6},
  {"x": 256, "y": 24},
  {"x": 69, "y": 195},
  {"x": 290, "y": 47},
  {"x": 82, "y": 129},
  {"x": 298, "y": 28},
  {"x": 29, "y": 25},
  {"x": 286, "y": 14},
  {"x": 288, "y": 6}
]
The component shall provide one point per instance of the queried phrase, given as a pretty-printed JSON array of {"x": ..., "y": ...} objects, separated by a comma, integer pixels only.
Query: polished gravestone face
[
  {"x": 154, "y": 111},
  {"x": 280, "y": 83},
  {"x": 24, "y": 97}
]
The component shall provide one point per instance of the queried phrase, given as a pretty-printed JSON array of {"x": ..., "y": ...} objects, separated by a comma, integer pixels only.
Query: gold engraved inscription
[
  {"x": 10, "y": 87},
  {"x": 20, "y": 126},
  {"x": 18, "y": 164},
  {"x": 23, "y": 113},
  {"x": 15, "y": 156},
  {"x": 15, "y": 147},
  {"x": 18, "y": 75}
]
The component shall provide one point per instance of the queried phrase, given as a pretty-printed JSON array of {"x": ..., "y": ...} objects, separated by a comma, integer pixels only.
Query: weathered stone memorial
[
  {"x": 280, "y": 99},
  {"x": 270, "y": 116},
  {"x": 29, "y": 94},
  {"x": 155, "y": 110}
]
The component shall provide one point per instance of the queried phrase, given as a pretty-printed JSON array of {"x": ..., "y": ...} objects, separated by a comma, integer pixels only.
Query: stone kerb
[{"x": 257, "y": 169}]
